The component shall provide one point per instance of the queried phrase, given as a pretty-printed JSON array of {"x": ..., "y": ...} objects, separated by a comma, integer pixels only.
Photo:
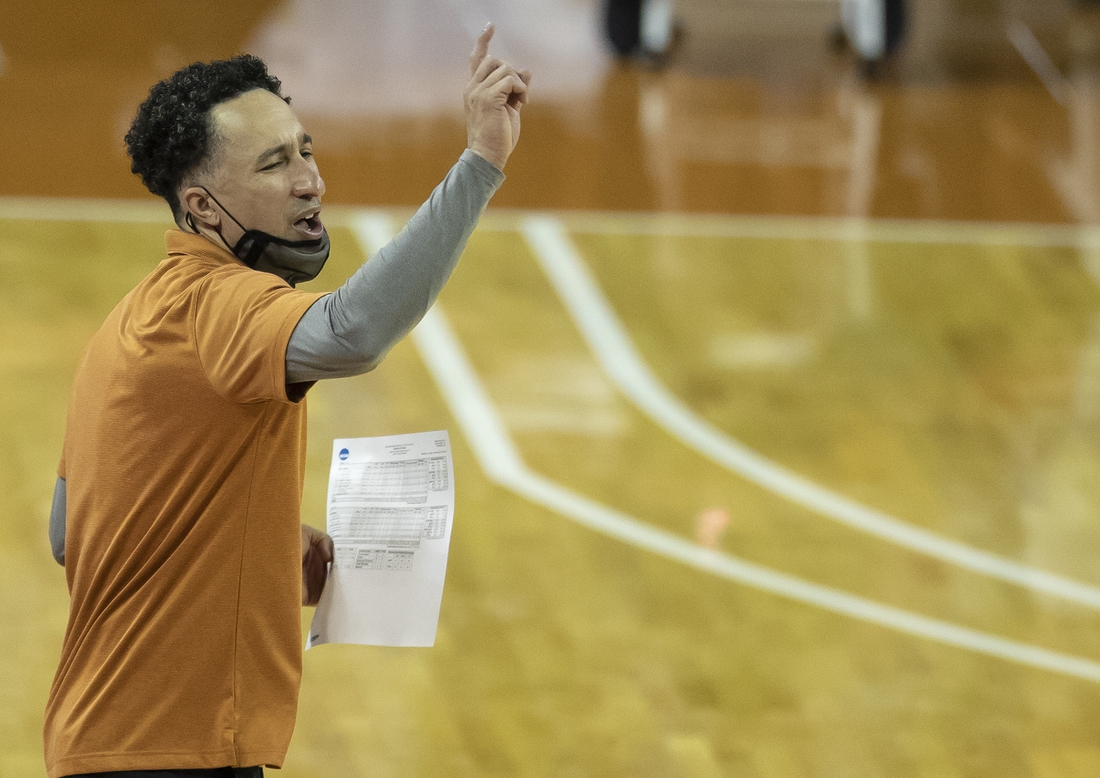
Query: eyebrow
[{"x": 306, "y": 139}]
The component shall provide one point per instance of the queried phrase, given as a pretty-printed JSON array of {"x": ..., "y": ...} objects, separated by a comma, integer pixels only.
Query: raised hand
[{"x": 494, "y": 97}]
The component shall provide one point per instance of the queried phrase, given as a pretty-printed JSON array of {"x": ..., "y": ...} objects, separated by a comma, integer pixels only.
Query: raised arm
[{"x": 350, "y": 331}]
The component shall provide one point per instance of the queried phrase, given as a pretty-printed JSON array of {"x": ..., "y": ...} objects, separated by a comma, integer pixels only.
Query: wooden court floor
[
  {"x": 939, "y": 377},
  {"x": 775, "y": 413}
]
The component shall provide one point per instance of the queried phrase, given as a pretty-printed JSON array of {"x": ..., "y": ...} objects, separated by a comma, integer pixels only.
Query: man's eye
[
  {"x": 272, "y": 166},
  {"x": 307, "y": 153}
]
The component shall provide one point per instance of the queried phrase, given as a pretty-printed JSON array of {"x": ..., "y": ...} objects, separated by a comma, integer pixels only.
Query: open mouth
[{"x": 311, "y": 226}]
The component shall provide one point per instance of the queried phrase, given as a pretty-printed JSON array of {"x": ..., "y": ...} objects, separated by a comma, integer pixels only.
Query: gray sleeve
[
  {"x": 57, "y": 522},
  {"x": 349, "y": 331}
]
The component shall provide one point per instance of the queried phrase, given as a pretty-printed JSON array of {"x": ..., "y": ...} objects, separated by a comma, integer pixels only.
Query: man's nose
[{"x": 309, "y": 183}]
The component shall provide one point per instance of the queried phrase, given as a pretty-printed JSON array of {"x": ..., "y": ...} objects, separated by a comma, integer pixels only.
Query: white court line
[
  {"x": 811, "y": 228},
  {"x": 1038, "y": 60},
  {"x": 502, "y": 463},
  {"x": 821, "y": 228},
  {"x": 615, "y": 352},
  {"x": 85, "y": 210},
  {"x": 105, "y": 211}
]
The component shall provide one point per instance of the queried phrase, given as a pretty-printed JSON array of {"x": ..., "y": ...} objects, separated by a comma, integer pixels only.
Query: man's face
[{"x": 263, "y": 169}]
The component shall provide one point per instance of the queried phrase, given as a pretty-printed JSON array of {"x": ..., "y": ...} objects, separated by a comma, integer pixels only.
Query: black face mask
[{"x": 293, "y": 261}]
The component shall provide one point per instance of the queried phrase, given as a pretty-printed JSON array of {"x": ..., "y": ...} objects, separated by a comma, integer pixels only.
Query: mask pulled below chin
[{"x": 294, "y": 261}]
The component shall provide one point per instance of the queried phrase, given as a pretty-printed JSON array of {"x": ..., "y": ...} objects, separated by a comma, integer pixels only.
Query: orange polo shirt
[{"x": 184, "y": 461}]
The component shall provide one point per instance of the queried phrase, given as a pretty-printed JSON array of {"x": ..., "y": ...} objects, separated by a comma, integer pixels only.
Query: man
[{"x": 176, "y": 511}]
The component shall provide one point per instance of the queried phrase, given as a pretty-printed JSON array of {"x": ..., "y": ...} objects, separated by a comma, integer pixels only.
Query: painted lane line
[
  {"x": 810, "y": 228},
  {"x": 816, "y": 228},
  {"x": 107, "y": 211},
  {"x": 62, "y": 209},
  {"x": 1038, "y": 60},
  {"x": 616, "y": 353},
  {"x": 501, "y": 461},
  {"x": 374, "y": 229}
]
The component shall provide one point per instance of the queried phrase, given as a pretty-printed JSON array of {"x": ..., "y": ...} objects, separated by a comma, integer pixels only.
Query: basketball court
[{"x": 774, "y": 391}]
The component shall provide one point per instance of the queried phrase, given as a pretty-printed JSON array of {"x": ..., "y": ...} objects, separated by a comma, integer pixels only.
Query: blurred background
[
  {"x": 980, "y": 106},
  {"x": 851, "y": 250}
]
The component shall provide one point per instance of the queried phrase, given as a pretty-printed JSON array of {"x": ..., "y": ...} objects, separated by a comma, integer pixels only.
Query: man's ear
[{"x": 196, "y": 201}]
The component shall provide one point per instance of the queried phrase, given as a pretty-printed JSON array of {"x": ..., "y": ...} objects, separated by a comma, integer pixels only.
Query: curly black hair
[{"x": 171, "y": 134}]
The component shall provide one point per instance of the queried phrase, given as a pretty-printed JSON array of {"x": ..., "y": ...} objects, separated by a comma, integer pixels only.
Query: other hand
[
  {"x": 317, "y": 554},
  {"x": 494, "y": 97}
]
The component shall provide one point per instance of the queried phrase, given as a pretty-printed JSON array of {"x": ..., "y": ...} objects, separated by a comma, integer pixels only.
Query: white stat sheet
[{"x": 390, "y": 508}]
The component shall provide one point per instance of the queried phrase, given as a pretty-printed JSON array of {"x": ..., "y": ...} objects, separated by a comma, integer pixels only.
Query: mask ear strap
[
  {"x": 253, "y": 250},
  {"x": 191, "y": 221},
  {"x": 224, "y": 209}
]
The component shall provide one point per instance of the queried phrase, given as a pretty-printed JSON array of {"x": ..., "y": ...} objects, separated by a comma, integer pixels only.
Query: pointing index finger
[{"x": 481, "y": 48}]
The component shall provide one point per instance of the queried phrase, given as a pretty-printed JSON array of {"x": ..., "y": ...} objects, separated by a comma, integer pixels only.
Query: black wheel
[
  {"x": 896, "y": 22},
  {"x": 623, "y": 25}
]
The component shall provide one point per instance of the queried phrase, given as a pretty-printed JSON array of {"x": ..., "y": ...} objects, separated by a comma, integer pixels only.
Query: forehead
[{"x": 253, "y": 123}]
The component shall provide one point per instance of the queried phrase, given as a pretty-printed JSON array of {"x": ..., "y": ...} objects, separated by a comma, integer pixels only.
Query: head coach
[{"x": 176, "y": 512}]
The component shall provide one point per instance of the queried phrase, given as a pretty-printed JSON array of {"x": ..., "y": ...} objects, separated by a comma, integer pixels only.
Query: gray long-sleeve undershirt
[
  {"x": 57, "y": 522},
  {"x": 349, "y": 331}
]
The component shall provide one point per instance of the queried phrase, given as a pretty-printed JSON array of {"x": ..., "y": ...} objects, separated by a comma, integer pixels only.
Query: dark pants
[{"x": 220, "y": 772}]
